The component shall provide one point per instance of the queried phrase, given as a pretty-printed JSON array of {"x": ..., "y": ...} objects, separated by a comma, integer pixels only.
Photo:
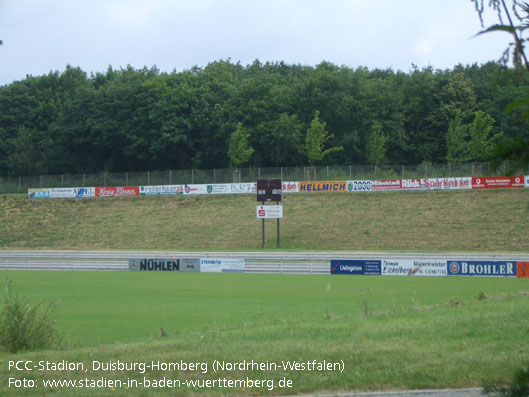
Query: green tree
[
  {"x": 239, "y": 150},
  {"x": 482, "y": 138},
  {"x": 457, "y": 141},
  {"x": 316, "y": 139},
  {"x": 513, "y": 19},
  {"x": 376, "y": 145}
]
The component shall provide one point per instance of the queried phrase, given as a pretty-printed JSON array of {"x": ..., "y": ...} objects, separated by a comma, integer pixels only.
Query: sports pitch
[{"x": 386, "y": 333}]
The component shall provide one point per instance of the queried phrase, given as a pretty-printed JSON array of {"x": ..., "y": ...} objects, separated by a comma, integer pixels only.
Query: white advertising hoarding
[
  {"x": 411, "y": 267},
  {"x": 221, "y": 265}
]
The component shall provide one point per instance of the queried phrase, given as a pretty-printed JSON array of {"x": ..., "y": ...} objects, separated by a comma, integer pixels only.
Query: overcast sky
[{"x": 45, "y": 35}]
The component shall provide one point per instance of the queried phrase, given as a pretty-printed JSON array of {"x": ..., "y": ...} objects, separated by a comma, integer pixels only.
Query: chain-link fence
[{"x": 230, "y": 175}]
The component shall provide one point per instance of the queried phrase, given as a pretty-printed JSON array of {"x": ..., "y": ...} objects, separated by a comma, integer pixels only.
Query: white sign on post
[{"x": 269, "y": 211}]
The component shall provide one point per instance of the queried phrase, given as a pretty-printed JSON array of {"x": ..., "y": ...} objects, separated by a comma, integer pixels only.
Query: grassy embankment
[{"x": 468, "y": 221}]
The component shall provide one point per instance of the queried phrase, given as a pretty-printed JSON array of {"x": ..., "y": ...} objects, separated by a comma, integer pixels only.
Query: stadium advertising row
[
  {"x": 463, "y": 183},
  {"x": 188, "y": 265},
  {"x": 430, "y": 267}
]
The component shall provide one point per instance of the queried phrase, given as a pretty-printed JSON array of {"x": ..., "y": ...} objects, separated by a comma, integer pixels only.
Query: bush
[
  {"x": 26, "y": 327},
  {"x": 519, "y": 387}
]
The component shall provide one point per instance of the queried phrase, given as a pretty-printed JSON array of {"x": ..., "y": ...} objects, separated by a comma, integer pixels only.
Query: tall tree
[
  {"x": 239, "y": 150},
  {"x": 316, "y": 140},
  {"x": 376, "y": 145}
]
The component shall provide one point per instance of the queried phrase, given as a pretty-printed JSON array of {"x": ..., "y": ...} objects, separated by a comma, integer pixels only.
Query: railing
[
  {"x": 229, "y": 175},
  {"x": 276, "y": 262}
]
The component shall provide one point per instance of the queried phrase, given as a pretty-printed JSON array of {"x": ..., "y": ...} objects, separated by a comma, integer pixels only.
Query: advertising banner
[
  {"x": 522, "y": 269},
  {"x": 356, "y": 267},
  {"x": 358, "y": 186},
  {"x": 119, "y": 191},
  {"x": 290, "y": 187},
  {"x": 322, "y": 186},
  {"x": 73, "y": 192},
  {"x": 498, "y": 182},
  {"x": 411, "y": 267},
  {"x": 269, "y": 212},
  {"x": 481, "y": 268},
  {"x": 191, "y": 265},
  {"x": 410, "y": 184},
  {"x": 243, "y": 188},
  {"x": 219, "y": 188},
  {"x": 527, "y": 181},
  {"x": 219, "y": 265},
  {"x": 195, "y": 189},
  {"x": 386, "y": 184},
  {"x": 154, "y": 264},
  {"x": 38, "y": 193},
  {"x": 446, "y": 183},
  {"x": 160, "y": 190}
]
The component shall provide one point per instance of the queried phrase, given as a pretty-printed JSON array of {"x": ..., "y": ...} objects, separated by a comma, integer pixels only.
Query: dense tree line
[{"x": 136, "y": 120}]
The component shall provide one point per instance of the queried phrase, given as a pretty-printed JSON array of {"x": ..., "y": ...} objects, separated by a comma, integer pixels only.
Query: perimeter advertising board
[
  {"x": 498, "y": 182},
  {"x": 358, "y": 186},
  {"x": 482, "y": 268},
  {"x": 290, "y": 187},
  {"x": 522, "y": 269},
  {"x": 446, "y": 183},
  {"x": 221, "y": 265},
  {"x": 38, "y": 193},
  {"x": 154, "y": 264},
  {"x": 356, "y": 267},
  {"x": 411, "y": 267},
  {"x": 386, "y": 184},
  {"x": 527, "y": 181},
  {"x": 161, "y": 190},
  {"x": 336, "y": 186},
  {"x": 119, "y": 191},
  {"x": 72, "y": 192}
]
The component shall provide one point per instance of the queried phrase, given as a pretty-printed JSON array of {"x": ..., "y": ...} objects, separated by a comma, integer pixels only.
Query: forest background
[{"x": 142, "y": 119}]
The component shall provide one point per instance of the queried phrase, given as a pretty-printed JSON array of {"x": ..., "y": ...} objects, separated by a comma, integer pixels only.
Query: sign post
[{"x": 269, "y": 190}]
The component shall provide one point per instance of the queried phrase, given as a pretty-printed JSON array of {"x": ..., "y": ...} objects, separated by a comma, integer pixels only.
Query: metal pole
[
  {"x": 263, "y": 232},
  {"x": 278, "y": 230}
]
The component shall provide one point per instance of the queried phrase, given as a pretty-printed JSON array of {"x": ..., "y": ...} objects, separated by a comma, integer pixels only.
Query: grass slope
[
  {"x": 390, "y": 332},
  {"x": 470, "y": 221}
]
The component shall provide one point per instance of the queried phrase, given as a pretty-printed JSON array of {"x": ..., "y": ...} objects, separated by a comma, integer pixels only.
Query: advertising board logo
[
  {"x": 454, "y": 267},
  {"x": 209, "y": 189},
  {"x": 262, "y": 212}
]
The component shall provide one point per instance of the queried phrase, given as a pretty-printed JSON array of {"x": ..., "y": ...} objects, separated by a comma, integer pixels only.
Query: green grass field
[
  {"x": 391, "y": 332},
  {"x": 441, "y": 221}
]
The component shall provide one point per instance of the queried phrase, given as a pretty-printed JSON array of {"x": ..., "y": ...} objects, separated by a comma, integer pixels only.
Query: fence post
[
  {"x": 83, "y": 180},
  {"x": 350, "y": 171},
  {"x": 41, "y": 181},
  {"x": 126, "y": 179},
  {"x": 19, "y": 183},
  {"x": 192, "y": 176},
  {"x": 148, "y": 178},
  {"x": 214, "y": 176},
  {"x": 62, "y": 180},
  {"x": 170, "y": 177}
]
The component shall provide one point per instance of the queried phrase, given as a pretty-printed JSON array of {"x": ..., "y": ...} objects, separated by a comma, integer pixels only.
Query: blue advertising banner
[
  {"x": 356, "y": 267},
  {"x": 481, "y": 268}
]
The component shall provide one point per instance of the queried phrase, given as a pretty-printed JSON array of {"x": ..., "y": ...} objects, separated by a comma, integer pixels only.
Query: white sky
[{"x": 45, "y": 35}]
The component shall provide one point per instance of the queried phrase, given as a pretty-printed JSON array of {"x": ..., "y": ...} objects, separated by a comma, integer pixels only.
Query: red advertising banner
[
  {"x": 119, "y": 191},
  {"x": 386, "y": 184},
  {"x": 522, "y": 269},
  {"x": 498, "y": 182}
]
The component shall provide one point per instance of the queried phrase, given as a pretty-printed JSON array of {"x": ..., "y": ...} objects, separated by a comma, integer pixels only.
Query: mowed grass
[
  {"x": 464, "y": 221},
  {"x": 391, "y": 332}
]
